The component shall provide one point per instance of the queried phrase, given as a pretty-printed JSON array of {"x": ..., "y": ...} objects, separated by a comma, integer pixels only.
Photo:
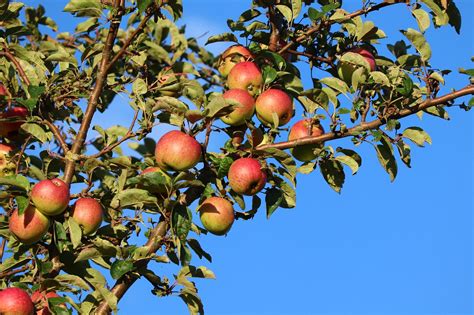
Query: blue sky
[{"x": 379, "y": 247}]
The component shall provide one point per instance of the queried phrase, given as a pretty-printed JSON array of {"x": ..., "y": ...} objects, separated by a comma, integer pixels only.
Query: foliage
[{"x": 63, "y": 79}]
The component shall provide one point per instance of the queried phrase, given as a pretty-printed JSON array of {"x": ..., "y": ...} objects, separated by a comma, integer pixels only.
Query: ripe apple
[
  {"x": 6, "y": 167},
  {"x": 274, "y": 101},
  {"x": 88, "y": 213},
  {"x": 232, "y": 56},
  {"x": 40, "y": 299},
  {"x": 246, "y": 176},
  {"x": 177, "y": 151},
  {"x": 15, "y": 301},
  {"x": 246, "y": 76},
  {"x": 240, "y": 113},
  {"x": 30, "y": 226},
  {"x": 3, "y": 90},
  {"x": 14, "y": 118},
  {"x": 346, "y": 69},
  {"x": 305, "y": 128},
  {"x": 161, "y": 188},
  {"x": 217, "y": 215},
  {"x": 51, "y": 196}
]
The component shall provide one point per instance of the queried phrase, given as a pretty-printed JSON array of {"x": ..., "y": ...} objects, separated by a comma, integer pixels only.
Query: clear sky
[{"x": 379, "y": 247}]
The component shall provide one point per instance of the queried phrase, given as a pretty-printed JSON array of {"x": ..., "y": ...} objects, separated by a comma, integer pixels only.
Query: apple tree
[{"x": 77, "y": 199}]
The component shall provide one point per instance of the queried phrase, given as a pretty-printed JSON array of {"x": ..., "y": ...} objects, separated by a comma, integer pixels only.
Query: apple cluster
[
  {"x": 16, "y": 301},
  {"x": 50, "y": 198}
]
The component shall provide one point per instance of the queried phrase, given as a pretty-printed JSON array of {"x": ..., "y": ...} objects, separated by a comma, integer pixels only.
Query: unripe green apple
[
  {"x": 246, "y": 76},
  {"x": 217, "y": 215},
  {"x": 177, "y": 151},
  {"x": 346, "y": 69},
  {"x": 51, "y": 196},
  {"x": 88, "y": 213},
  {"x": 11, "y": 120},
  {"x": 30, "y": 226},
  {"x": 274, "y": 101},
  {"x": 15, "y": 301},
  {"x": 246, "y": 176},
  {"x": 302, "y": 129},
  {"x": 243, "y": 111},
  {"x": 162, "y": 188},
  {"x": 232, "y": 56},
  {"x": 6, "y": 166}
]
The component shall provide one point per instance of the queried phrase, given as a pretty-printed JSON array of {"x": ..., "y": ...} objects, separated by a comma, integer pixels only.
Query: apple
[
  {"x": 88, "y": 213},
  {"x": 14, "y": 118},
  {"x": 177, "y": 151},
  {"x": 30, "y": 226},
  {"x": 246, "y": 76},
  {"x": 15, "y": 301},
  {"x": 246, "y": 176},
  {"x": 6, "y": 167},
  {"x": 3, "y": 90},
  {"x": 232, "y": 56},
  {"x": 274, "y": 101},
  {"x": 40, "y": 299},
  {"x": 51, "y": 196},
  {"x": 242, "y": 112},
  {"x": 302, "y": 129},
  {"x": 217, "y": 215},
  {"x": 345, "y": 69},
  {"x": 160, "y": 188}
]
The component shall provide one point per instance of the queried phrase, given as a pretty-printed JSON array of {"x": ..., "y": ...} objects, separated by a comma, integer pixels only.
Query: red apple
[
  {"x": 51, "y": 196},
  {"x": 162, "y": 188},
  {"x": 40, "y": 299},
  {"x": 246, "y": 176},
  {"x": 345, "y": 69},
  {"x": 217, "y": 215},
  {"x": 177, "y": 151},
  {"x": 242, "y": 112},
  {"x": 6, "y": 166},
  {"x": 3, "y": 90},
  {"x": 274, "y": 101},
  {"x": 302, "y": 129},
  {"x": 232, "y": 56},
  {"x": 246, "y": 76},
  {"x": 15, "y": 301},
  {"x": 11, "y": 120},
  {"x": 30, "y": 226},
  {"x": 88, "y": 213}
]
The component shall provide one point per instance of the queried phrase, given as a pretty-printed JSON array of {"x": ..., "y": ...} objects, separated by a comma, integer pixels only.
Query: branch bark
[
  {"x": 7, "y": 53},
  {"x": 468, "y": 90}
]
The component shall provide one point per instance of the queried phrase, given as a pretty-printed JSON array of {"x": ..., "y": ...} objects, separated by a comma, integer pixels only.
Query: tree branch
[
  {"x": 468, "y": 90},
  {"x": 6, "y": 53},
  {"x": 57, "y": 134}
]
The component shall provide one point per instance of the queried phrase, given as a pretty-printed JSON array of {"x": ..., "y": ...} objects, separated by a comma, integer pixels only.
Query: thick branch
[
  {"x": 317, "y": 27},
  {"x": 468, "y": 90},
  {"x": 6, "y": 53}
]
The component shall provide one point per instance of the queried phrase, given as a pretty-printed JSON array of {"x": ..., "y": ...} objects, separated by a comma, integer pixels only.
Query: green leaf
[
  {"x": 139, "y": 86},
  {"x": 273, "y": 199},
  {"x": 333, "y": 173},
  {"x": 4, "y": 6},
  {"x": 72, "y": 280},
  {"x": 269, "y": 75},
  {"x": 422, "y": 18},
  {"x": 286, "y": 11},
  {"x": 143, "y": 5},
  {"x": 417, "y": 135},
  {"x": 336, "y": 84},
  {"x": 132, "y": 197},
  {"x": 22, "y": 203},
  {"x": 196, "y": 272},
  {"x": 90, "y": 8},
  {"x": 193, "y": 302},
  {"x": 181, "y": 221},
  {"x": 196, "y": 247},
  {"x": 404, "y": 152},
  {"x": 420, "y": 43},
  {"x": 16, "y": 180},
  {"x": 349, "y": 161},
  {"x": 386, "y": 158},
  {"x": 37, "y": 131},
  {"x": 13, "y": 262},
  {"x": 120, "y": 267},
  {"x": 224, "y": 37},
  {"x": 75, "y": 232},
  {"x": 218, "y": 106}
]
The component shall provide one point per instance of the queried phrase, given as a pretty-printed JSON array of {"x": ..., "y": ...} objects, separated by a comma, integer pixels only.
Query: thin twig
[
  {"x": 7, "y": 53},
  {"x": 57, "y": 134}
]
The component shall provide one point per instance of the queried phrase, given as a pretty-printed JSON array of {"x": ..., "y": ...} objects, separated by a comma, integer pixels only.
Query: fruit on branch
[
  {"x": 158, "y": 188},
  {"x": 40, "y": 299},
  {"x": 246, "y": 76},
  {"x": 232, "y": 56},
  {"x": 243, "y": 111},
  {"x": 51, "y": 196},
  {"x": 15, "y": 301},
  {"x": 217, "y": 215},
  {"x": 347, "y": 68},
  {"x": 88, "y": 213},
  {"x": 246, "y": 176},
  {"x": 3, "y": 90},
  {"x": 177, "y": 151},
  {"x": 302, "y": 129},
  {"x": 30, "y": 226},
  {"x": 11, "y": 120},
  {"x": 6, "y": 167},
  {"x": 274, "y": 101}
]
